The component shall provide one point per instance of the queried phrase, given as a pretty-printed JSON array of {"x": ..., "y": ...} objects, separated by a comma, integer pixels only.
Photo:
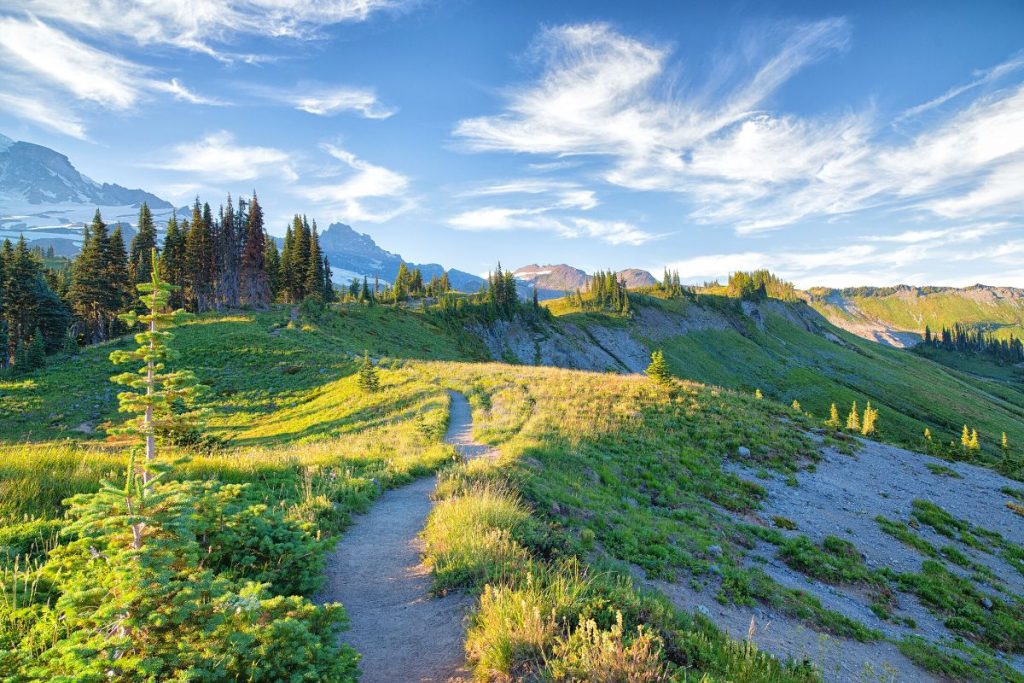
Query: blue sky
[{"x": 836, "y": 143}]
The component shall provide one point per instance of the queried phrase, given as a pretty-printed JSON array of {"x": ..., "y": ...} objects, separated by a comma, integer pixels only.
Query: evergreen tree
[
  {"x": 140, "y": 263},
  {"x": 328, "y": 282},
  {"x": 658, "y": 369},
  {"x": 254, "y": 283},
  {"x": 400, "y": 287},
  {"x": 153, "y": 392},
  {"x": 364, "y": 293},
  {"x": 833, "y": 417},
  {"x": 230, "y": 238},
  {"x": 173, "y": 261},
  {"x": 200, "y": 259},
  {"x": 853, "y": 419},
  {"x": 119, "y": 278},
  {"x": 35, "y": 356},
  {"x": 870, "y": 418},
  {"x": 93, "y": 301},
  {"x": 287, "y": 267},
  {"x": 314, "y": 275},
  {"x": 368, "y": 380},
  {"x": 300, "y": 262},
  {"x": 272, "y": 264}
]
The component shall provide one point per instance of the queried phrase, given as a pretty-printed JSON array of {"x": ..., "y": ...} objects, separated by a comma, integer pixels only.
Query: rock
[
  {"x": 556, "y": 509},
  {"x": 704, "y": 610},
  {"x": 986, "y": 603},
  {"x": 85, "y": 428},
  {"x": 743, "y": 452},
  {"x": 715, "y": 550}
]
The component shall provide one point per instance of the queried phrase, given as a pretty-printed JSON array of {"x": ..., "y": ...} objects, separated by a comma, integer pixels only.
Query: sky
[{"x": 836, "y": 143}]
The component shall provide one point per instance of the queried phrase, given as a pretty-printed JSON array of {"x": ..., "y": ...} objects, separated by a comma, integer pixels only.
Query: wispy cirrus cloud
[
  {"x": 43, "y": 65},
  {"x": 546, "y": 205},
  {"x": 207, "y": 25},
  {"x": 328, "y": 100},
  {"x": 363, "y": 192},
  {"x": 720, "y": 146}
]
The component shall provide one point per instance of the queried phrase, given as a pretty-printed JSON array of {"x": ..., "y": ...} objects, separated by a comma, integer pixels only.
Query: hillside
[
  {"x": 786, "y": 350},
  {"x": 897, "y": 316},
  {"x": 605, "y": 483}
]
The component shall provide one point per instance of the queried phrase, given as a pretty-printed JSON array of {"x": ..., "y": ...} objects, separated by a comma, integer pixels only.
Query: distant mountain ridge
[
  {"x": 554, "y": 280},
  {"x": 355, "y": 254},
  {"x": 897, "y": 316}
]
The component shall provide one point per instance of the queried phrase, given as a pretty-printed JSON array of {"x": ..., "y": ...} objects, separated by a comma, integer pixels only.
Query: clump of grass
[
  {"x": 1013, "y": 493},
  {"x": 784, "y": 523},
  {"x": 975, "y": 666},
  {"x": 469, "y": 537},
  {"x": 942, "y": 471},
  {"x": 836, "y": 561},
  {"x": 902, "y": 533},
  {"x": 1015, "y": 507}
]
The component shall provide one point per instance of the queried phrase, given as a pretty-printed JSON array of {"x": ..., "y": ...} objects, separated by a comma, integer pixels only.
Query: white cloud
[
  {"x": 205, "y": 25},
  {"x": 368, "y": 193},
  {"x": 611, "y": 97},
  {"x": 47, "y": 114},
  {"x": 219, "y": 156},
  {"x": 330, "y": 101},
  {"x": 40, "y": 60},
  {"x": 504, "y": 218}
]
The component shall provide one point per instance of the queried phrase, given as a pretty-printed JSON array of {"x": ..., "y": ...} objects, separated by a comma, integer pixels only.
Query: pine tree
[
  {"x": 833, "y": 417},
  {"x": 119, "y": 278},
  {"x": 300, "y": 261},
  {"x": 1005, "y": 444},
  {"x": 229, "y": 254},
  {"x": 853, "y": 419},
  {"x": 795, "y": 405},
  {"x": 658, "y": 369},
  {"x": 153, "y": 392},
  {"x": 328, "y": 282},
  {"x": 140, "y": 263},
  {"x": 254, "y": 284},
  {"x": 927, "y": 436},
  {"x": 758, "y": 395},
  {"x": 200, "y": 260},
  {"x": 287, "y": 267},
  {"x": 401, "y": 285},
  {"x": 369, "y": 382},
  {"x": 965, "y": 438},
  {"x": 973, "y": 444}
]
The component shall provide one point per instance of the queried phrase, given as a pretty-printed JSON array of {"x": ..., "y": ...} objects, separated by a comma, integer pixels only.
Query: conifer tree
[
  {"x": 173, "y": 261},
  {"x": 795, "y": 405},
  {"x": 833, "y": 417},
  {"x": 229, "y": 240},
  {"x": 119, "y": 279},
  {"x": 200, "y": 260},
  {"x": 401, "y": 284},
  {"x": 853, "y": 419},
  {"x": 974, "y": 445},
  {"x": 1005, "y": 444},
  {"x": 927, "y": 436},
  {"x": 272, "y": 264},
  {"x": 369, "y": 382},
  {"x": 870, "y": 418},
  {"x": 965, "y": 438},
  {"x": 658, "y": 369},
  {"x": 153, "y": 391},
  {"x": 287, "y": 267},
  {"x": 314, "y": 274},
  {"x": 328, "y": 282},
  {"x": 140, "y": 264},
  {"x": 35, "y": 355},
  {"x": 758, "y": 395},
  {"x": 92, "y": 298},
  {"x": 254, "y": 284}
]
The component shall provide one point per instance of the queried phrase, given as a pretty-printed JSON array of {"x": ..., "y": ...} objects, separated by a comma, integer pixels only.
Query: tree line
[
  {"x": 604, "y": 292},
  {"x": 759, "y": 285},
  {"x": 974, "y": 339}
]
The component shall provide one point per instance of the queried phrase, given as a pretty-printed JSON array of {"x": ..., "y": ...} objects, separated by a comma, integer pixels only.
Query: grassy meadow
[{"x": 602, "y": 479}]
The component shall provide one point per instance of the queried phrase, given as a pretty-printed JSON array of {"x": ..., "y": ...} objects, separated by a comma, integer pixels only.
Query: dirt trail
[{"x": 375, "y": 571}]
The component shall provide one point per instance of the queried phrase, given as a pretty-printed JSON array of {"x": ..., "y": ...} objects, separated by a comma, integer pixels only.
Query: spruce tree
[
  {"x": 173, "y": 261},
  {"x": 200, "y": 259},
  {"x": 965, "y": 438},
  {"x": 254, "y": 283},
  {"x": 658, "y": 369},
  {"x": 328, "y": 282},
  {"x": 974, "y": 445},
  {"x": 272, "y": 264},
  {"x": 118, "y": 278},
  {"x": 868, "y": 423},
  {"x": 229, "y": 254},
  {"x": 853, "y": 419},
  {"x": 140, "y": 263},
  {"x": 287, "y": 267},
  {"x": 368, "y": 380}
]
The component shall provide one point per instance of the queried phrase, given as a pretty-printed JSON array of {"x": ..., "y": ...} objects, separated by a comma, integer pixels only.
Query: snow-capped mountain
[
  {"x": 44, "y": 197},
  {"x": 553, "y": 281}
]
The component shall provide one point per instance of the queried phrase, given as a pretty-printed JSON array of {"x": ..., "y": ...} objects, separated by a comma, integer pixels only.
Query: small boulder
[
  {"x": 743, "y": 452},
  {"x": 715, "y": 550},
  {"x": 986, "y": 603},
  {"x": 704, "y": 610}
]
